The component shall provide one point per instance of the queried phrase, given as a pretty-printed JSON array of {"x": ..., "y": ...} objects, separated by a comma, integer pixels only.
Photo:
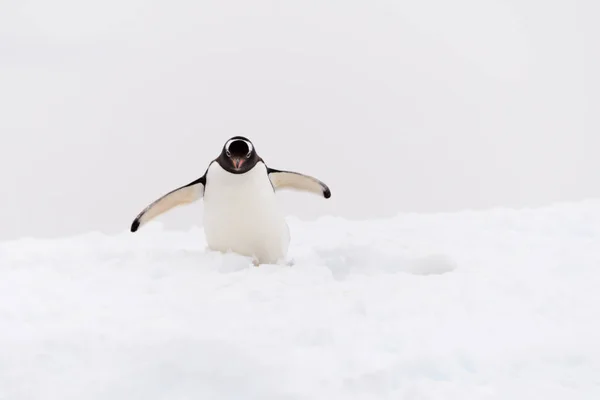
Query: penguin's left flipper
[
  {"x": 297, "y": 181},
  {"x": 183, "y": 195}
]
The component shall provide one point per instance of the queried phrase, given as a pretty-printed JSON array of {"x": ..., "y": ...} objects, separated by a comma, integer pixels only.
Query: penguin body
[{"x": 241, "y": 213}]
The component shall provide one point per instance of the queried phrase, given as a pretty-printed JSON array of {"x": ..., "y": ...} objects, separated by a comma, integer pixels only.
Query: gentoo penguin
[{"x": 241, "y": 214}]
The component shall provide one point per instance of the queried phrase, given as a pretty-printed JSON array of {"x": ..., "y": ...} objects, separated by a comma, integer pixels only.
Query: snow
[{"x": 498, "y": 304}]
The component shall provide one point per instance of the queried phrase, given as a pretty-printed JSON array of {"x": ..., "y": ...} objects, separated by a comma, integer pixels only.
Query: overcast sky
[{"x": 412, "y": 106}]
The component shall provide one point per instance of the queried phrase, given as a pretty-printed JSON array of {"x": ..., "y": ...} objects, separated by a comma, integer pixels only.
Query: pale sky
[{"x": 417, "y": 106}]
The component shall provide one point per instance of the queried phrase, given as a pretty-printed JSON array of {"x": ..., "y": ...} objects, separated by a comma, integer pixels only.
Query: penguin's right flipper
[{"x": 184, "y": 195}]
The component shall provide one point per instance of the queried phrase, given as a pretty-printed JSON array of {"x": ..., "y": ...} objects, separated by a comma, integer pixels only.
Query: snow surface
[{"x": 500, "y": 304}]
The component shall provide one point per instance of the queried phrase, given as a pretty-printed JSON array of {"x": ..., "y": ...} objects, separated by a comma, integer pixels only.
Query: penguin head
[{"x": 238, "y": 155}]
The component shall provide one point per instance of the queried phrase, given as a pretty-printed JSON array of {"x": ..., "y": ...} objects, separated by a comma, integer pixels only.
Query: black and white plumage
[{"x": 240, "y": 209}]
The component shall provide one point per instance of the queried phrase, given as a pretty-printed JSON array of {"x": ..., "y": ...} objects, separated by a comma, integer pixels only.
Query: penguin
[{"x": 241, "y": 214}]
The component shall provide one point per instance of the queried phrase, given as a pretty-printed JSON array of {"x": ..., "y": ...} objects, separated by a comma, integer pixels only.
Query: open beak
[{"x": 237, "y": 162}]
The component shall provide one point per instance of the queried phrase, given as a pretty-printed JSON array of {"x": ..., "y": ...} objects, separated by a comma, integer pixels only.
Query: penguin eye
[
  {"x": 227, "y": 153},
  {"x": 249, "y": 154}
]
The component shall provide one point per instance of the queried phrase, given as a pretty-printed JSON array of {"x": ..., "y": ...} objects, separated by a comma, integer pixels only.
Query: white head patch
[{"x": 229, "y": 142}]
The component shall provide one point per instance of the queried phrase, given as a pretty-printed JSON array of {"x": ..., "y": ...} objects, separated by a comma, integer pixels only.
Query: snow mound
[
  {"x": 362, "y": 259},
  {"x": 501, "y": 304}
]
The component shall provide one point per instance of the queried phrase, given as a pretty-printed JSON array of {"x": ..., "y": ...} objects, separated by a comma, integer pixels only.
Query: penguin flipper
[
  {"x": 183, "y": 195},
  {"x": 297, "y": 181}
]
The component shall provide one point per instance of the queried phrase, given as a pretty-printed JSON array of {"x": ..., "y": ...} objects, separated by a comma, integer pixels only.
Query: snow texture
[{"x": 501, "y": 304}]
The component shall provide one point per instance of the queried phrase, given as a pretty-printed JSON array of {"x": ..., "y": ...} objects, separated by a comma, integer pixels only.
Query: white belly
[{"x": 241, "y": 215}]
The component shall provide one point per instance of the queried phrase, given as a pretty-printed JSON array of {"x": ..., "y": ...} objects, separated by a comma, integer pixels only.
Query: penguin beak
[{"x": 237, "y": 162}]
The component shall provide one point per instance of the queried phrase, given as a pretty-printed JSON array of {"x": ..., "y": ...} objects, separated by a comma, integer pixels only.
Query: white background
[{"x": 412, "y": 106}]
